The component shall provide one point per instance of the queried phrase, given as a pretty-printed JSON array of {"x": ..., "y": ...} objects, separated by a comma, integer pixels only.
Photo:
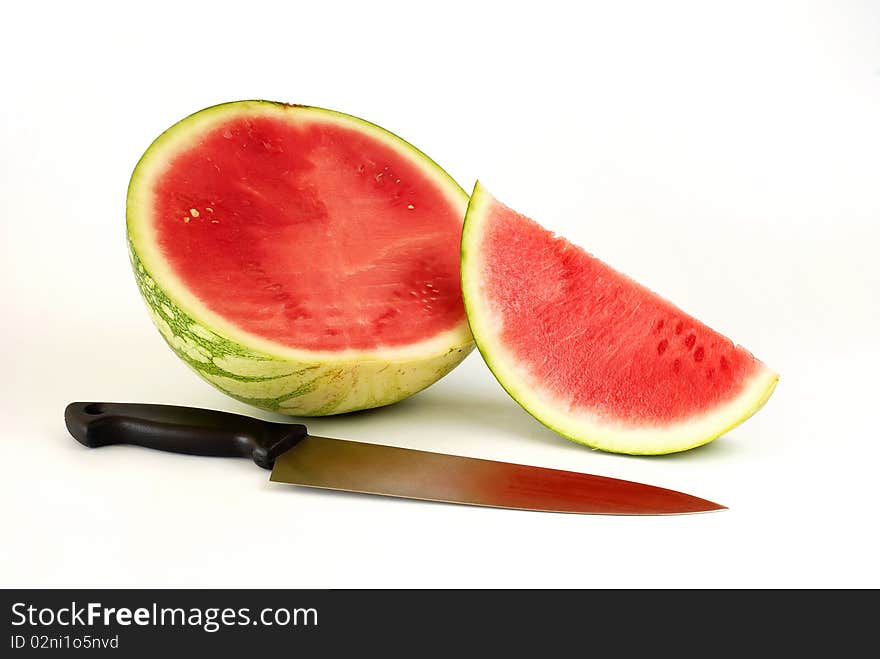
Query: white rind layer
[{"x": 578, "y": 424}]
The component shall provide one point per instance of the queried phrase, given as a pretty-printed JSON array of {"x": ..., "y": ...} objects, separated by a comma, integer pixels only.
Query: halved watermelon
[
  {"x": 591, "y": 353},
  {"x": 299, "y": 259}
]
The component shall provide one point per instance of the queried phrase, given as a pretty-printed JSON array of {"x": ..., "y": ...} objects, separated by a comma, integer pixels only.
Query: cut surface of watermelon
[
  {"x": 591, "y": 353},
  {"x": 300, "y": 259}
]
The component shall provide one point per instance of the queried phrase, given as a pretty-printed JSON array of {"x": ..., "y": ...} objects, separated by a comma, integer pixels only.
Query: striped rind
[
  {"x": 577, "y": 424},
  {"x": 253, "y": 369}
]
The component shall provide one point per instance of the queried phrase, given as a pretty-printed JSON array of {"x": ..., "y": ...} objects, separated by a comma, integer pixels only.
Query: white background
[{"x": 725, "y": 154}]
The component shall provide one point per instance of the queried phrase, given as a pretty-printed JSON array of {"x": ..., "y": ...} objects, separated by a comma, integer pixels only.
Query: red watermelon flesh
[
  {"x": 316, "y": 236},
  {"x": 591, "y": 352},
  {"x": 627, "y": 352}
]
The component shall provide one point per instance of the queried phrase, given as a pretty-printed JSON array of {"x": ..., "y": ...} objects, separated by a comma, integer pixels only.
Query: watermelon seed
[
  {"x": 410, "y": 206},
  {"x": 186, "y": 219},
  {"x": 690, "y": 341},
  {"x": 679, "y": 327},
  {"x": 699, "y": 353},
  {"x": 676, "y": 365},
  {"x": 661, "y": 347},
  {"x": 193, "y": 212},
  {"x": 659, "y": 327}
]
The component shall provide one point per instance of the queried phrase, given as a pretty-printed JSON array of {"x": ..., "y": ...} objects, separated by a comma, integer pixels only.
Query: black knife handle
[{"x": 182, "y": 430}]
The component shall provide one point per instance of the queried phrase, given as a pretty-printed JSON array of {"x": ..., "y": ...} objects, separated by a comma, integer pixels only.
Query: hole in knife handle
[{"x": 94, "y": 408}]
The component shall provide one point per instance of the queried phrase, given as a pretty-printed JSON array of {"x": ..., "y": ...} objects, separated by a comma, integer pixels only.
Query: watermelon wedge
[
  {"x": 591, "y": 353},
  {"x": 299, "y": 259}
]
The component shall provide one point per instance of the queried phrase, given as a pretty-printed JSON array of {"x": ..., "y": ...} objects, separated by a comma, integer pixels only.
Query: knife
[{"x": 296, "y": 457}]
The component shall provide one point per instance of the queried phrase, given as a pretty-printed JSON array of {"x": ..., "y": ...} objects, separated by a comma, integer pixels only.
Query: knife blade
[{"x": 298, "y": 458}]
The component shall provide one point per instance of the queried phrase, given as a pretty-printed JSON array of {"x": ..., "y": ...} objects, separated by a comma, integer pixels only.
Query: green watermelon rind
[
  {"x": 581, "y": 427},
  {"x": 256, "y": 371}
]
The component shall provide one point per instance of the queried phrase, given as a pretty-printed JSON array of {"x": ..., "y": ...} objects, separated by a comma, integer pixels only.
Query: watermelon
[
  {"x": 591, "y": 353},
  {"x": 299, "y": 259}
]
